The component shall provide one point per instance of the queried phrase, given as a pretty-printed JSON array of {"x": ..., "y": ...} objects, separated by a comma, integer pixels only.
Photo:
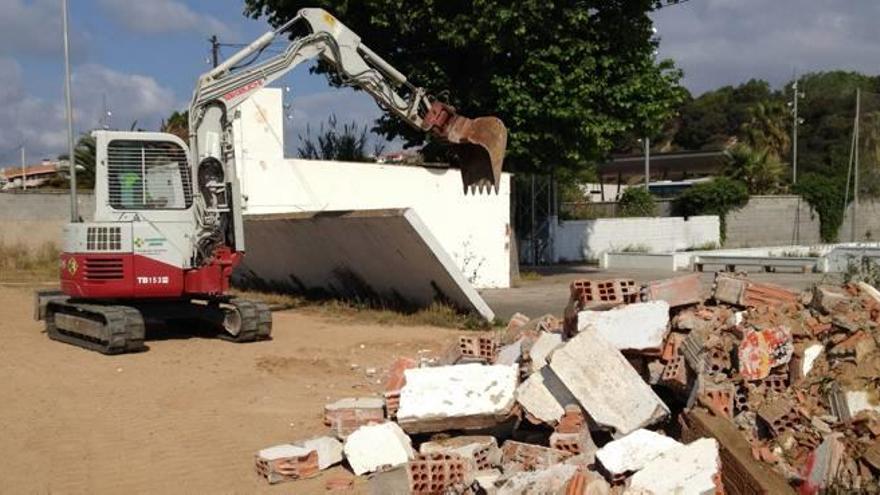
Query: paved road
[{"x": 549, "y": 294}]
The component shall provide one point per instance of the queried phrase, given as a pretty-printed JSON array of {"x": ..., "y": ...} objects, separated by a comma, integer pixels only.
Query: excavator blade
[{"x": 480, "y": 144}]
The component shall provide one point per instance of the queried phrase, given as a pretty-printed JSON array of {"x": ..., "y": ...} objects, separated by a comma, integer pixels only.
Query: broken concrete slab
[
  {"x": 605, "y": 384},
  {"x": 375, "y": 446},
  {"x": 633, "y": 451},
  {"x": 510, "y": 354},
  {"x": 634, "y": 327},
  {"x": 741, "y": 474},
  {"x": 461, "y": 397},
  {"x": 293, "y": 461},
  {"x": 742, "y": 292},
  {"x": 681, "y": 470},
  {"x": 544, "y": 396},
  {"x": 329, "y": 450},
  {"x": 345, "y": 254},
  {"x": 541, "y": 349}
]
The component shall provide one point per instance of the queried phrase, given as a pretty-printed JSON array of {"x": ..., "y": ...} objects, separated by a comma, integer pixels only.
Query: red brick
[
  {"x": 483, "y": 349},
  {"x": 346, "y": 416},
  {"x": 677, "y": 291},
  {"x": 432, "y": 474},
  {"x": 287, "y": 468},
  {"x": 530, "y": 457},
  {"x": 575, "y": 443},
  {"x": 599, "y": 294},
  {"x": 573, "y": 421},
  {"x": 719, "y": 398},
  {"x": 675, "y": 374}
]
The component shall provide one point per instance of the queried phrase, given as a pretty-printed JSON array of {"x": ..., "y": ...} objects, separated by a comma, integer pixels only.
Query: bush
[
  {"x": 824, "y": 195},
  {"x": 636, "y": 202},
  {"x": 716, "y": 197}
]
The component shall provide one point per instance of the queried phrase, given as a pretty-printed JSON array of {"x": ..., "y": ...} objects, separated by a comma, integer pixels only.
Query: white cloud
[
  {"x": 164, "y": 16},
  {"x": 41, "y": 123},
  {"x": 34, "y": 29},
  {"x": 720, "y": 42}
]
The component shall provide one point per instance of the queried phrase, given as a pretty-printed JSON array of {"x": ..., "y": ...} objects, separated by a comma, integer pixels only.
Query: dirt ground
[{"x": 188, "y": 415}]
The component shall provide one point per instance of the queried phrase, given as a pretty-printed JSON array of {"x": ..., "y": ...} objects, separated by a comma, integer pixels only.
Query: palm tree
[
  {"x": 759, "y": 169},
  {"x": 177, "y": 124},
  {"x": 766, "y": 128}
]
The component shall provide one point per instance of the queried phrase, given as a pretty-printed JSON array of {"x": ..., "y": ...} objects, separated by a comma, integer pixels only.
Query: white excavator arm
[{"x": 480, "y": 142}]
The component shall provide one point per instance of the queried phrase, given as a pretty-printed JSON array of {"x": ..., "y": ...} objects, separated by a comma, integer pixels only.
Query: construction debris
[
  {"x": 606, "y": 385},
  {"x": 635, "y": 327},
  {"x": 764, "y": 391},
  {"x": 466, "y": 396},
  {"x": 376, "y": 446}
]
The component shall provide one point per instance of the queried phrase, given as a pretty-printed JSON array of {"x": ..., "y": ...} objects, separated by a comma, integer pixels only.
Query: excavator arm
[{"x": 480, "y": 143}]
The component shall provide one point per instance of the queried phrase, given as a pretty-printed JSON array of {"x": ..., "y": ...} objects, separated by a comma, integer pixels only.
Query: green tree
[
  {"x": 346, "y": 143},
  {"x": 759, "y": 169},
  {"x": 85, "y": 153},
  {"x": 636, "y": 201},
  {"x": 566, "y": 77},
  {"x": 719, "y": 197},
  {"x": 177, "y": 124},
  {"x": 767, "y": 128}
]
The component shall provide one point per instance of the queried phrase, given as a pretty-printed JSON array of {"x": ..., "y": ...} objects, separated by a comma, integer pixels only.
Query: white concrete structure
[
  {"x": 577, "y": 240},
  {"x": 633, "y": 451},
  {"x": 682, "y": 470},
  {"x": 551, "y": 480},
  {"x": 605, "y": 384},
  {"x": 636, "y": 327},
  {"x": 535, "y": 397},
  {"x": 373, "y": 446},
  {"x": 473, "y": 228},
  {"x": 329, "y": 450},
  {"x": 465, "y": 396},
  {"x": 542, "y": 348}
]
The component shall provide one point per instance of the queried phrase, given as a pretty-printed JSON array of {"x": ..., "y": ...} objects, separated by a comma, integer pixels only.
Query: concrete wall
[
  {"x": 773, "y": 221},
  {"x": 473, "y": 228},
  {"x": 868, "y": 223},
  {"x": 589, "y": 239},
  {"x": 35, "y": 218}
]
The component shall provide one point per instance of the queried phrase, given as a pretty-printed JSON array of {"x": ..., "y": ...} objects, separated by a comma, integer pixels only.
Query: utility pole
[
  {"x": 853, "y": 228},
  {"x": 215, "y": 50},
  {"x": 71, "y": 160},
  {"x": 647, "y": 164},
  {"x": 796, "y": 95},
  {"x": 23, "y": 170}
]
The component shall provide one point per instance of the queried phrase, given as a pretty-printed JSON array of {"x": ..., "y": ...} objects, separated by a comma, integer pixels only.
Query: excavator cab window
[{"x": 148, "y": 175}]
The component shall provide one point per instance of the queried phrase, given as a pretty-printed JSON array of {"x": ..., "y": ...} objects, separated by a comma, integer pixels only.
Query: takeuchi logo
[{"x": 72, "y": 266}]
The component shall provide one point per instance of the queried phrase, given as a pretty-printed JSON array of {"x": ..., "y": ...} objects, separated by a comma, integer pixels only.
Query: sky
[{"x": 142, "y": 57}]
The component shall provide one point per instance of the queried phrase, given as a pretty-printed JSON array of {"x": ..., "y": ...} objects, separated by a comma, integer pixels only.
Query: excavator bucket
[{"x": 480, "y": 144}]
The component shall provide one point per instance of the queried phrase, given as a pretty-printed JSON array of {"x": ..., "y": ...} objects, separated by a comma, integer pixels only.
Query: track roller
[{"x": 245, "y": 321}]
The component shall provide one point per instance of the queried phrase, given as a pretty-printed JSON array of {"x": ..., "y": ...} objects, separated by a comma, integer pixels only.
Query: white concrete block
[
  {"x": 542, "y": 348},
  {"x": 537, "y": 399},
  {"x": 329, "y": 450},
  {"x": 373, "y": 446},
  {"x": 858, "y": 401},
  {"x": 550, "y": 480},
  {"x": 486, "y": 478},
  {"x": 605, "y": 384},
  {"x": 510, "y": 354},
  {"x": 810, "y": 355},
  {"x": 682, "y": 470},
  {"x": 633, "y": 451},
  {"x": 466, "y": 396},
  {"x": 638, "y": 327},
  {"x": 283, "y": 451}
]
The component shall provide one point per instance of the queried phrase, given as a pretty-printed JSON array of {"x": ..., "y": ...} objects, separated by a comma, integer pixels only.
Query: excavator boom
[{"x": 479, "y": 143}]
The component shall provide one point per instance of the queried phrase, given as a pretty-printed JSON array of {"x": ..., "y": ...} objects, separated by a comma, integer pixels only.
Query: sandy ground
[{"x": 184, "y": 417}]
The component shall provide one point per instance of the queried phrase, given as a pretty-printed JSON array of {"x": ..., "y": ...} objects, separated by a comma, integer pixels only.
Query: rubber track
[
  {"x": 123, "y": 327},
  {"x": 256, "y": 322}
]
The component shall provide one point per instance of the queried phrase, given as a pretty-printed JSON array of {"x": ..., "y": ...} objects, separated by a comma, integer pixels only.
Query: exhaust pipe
[{"x": 478, "y": 143}]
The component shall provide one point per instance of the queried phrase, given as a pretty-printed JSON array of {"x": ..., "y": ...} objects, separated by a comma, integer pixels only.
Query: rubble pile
[{"x": 751, "y": 388}]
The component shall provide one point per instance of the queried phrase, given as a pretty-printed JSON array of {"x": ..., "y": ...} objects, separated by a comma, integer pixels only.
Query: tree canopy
[{"x": 568, "y": 78}]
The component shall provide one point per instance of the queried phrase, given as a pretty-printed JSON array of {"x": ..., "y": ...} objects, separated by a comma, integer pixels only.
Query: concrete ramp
[{"x": 386, "y": 257}]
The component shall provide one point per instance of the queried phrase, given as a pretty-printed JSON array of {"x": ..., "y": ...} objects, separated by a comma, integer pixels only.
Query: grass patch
[
  {"x": 530, "y": 276},
  {"x": 706, "y": 246},
  {"x": 437, "y": 315},
  {"x": 19, "y": 263}
]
